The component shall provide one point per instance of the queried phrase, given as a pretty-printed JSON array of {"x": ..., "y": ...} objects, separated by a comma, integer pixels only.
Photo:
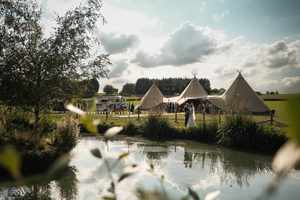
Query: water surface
[{"x": 206, "y": 168}]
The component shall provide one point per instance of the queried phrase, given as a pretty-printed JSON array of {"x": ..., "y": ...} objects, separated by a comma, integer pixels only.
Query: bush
[
  {"x": 132, "y": 129},
  {"x": 67, "y": 134},
  {"x": 244, "y": 133},
  {"x": 103, "y": 127},
  {"x": 156, "y": 128},
  {"x": 204, "y": 133},
  {"x": 47, "y": 126}
]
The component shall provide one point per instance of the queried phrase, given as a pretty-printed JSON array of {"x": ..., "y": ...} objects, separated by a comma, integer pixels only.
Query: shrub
[
  {"x": 103, "y": 127},
  {"x": 67, "y": 133},
  {"x": 242, "y": 132},
  {"x": 132, "y": 129},
  {"x": 47, "y": 126},
  {"x": 156, "y": 128},
  {"x": 204, "y": 133}
]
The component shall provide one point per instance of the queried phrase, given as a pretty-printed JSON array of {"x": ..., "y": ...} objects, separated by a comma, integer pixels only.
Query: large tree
[
  {"x": 89, "y": 88},
  {"x": 109, "y": 90},
  {"x": 36, "y": 70},
  {"x": 128, "y": 89}
]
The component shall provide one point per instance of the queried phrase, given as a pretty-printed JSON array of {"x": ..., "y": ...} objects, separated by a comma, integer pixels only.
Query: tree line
[{"x": 168, "y": 86}]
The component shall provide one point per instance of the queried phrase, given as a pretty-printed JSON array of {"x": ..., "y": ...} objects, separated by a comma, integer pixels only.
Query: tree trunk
[
  {"x": 36, "y": 118},
  {"x": 36, "y": 131}
]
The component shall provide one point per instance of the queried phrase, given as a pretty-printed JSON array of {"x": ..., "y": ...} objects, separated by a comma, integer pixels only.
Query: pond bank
[{"x": 236, "y": 132}]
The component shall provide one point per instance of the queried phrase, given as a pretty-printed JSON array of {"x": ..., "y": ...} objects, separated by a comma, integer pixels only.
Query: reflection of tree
[
  {"x": 242, "y": 168},
  {"x": 41, "y": 190},
  {"x": 67, "y": 184},
  {"x": 154, "y": 152},
  {"x": 32, "y": 192},
  {"x": 188, "y": 159},
  {"x": 233, "y": 166}
]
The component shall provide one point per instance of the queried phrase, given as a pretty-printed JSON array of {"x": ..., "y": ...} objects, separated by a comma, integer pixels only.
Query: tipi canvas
[
  {"x": 240, "y": 97},
  {"x": 152, "y": 100},
  {"x": 194, "y": 90}
]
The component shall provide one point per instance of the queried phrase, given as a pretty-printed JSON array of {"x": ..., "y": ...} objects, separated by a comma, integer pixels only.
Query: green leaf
[
  {"x": 96, "y": 153},
  {"x": 60, "y": 164},
  {"x": 88, "y": 123},
  {"x": 123, "y": 155},
  {"x": 124, "y": 176},
  {"x": 193, "y": 194},
  {"x": 10, "y": 159}
]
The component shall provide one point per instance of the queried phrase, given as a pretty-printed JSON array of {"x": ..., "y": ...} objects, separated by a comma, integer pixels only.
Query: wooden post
[
  {"x": 203, "y": 114},
  {"x": 272, "y": 116},
  {"x": 220, "y": 119},
  {"x": 106, "y": 115},
  {"x": 138, "y": 113},
  {"x": 176, "y": 117}
]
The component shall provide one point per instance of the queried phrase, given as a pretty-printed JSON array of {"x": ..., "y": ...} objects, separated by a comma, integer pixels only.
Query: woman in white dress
[{"x": 192, "y": 117}]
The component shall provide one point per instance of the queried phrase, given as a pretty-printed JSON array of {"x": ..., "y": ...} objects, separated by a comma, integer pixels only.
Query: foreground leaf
[
  {"x": 113, "y": 131},
  {"x": 123, "y": 155},
  {"x": 60, "y": 164},
  {"x": 96, "y": 153},
  {"x": 10, "y": 159},
  {"x": 286, "y": 158},
  {"x": 212, "y": 195},
  {"x": 75, "y": 109},
  {"x": 124, "y": 176},
  {"x": 89, "y": 124},
  {"x": 193, "y": 194}
]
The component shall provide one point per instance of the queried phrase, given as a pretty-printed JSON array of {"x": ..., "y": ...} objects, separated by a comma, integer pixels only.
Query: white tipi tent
[
  {"x": 152, "y": 100},
  {"x": 240, "y": 97},
  {"x": 194, "y": 90}
]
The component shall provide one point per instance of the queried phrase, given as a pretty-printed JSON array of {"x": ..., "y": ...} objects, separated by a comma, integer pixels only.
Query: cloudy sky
[{"x": 212, "y": 38}]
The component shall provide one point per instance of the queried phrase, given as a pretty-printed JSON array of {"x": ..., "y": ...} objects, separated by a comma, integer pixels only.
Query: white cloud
[
  {"x": 188, "y": 44},
  {"x": 118, "y": 43},
  {"x": 118, "y": 68},
  {"x": 266, "y": 66},
  {"x": 218, "y": 17},
  {"x": 276, "y": 55},
  {"x": 291, "y": 84}
]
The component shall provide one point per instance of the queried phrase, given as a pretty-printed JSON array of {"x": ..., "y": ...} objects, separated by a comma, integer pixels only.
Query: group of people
[{"x": 189, "y": 115}]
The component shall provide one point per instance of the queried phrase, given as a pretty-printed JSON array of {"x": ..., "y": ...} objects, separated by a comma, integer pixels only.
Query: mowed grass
[
  {"x": 125, "y": 118},
  {"x": 280, "y": 110}
]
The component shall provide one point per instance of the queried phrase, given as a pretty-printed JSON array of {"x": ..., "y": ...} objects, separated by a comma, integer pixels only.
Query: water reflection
[
  {"x": 238, "y": 175},
  {"x": 64, "y": 187},
  {"x": 232, "y": 167}
]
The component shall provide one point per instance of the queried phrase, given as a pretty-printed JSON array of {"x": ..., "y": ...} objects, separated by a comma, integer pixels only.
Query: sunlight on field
[{"x": 280, "y": 109}]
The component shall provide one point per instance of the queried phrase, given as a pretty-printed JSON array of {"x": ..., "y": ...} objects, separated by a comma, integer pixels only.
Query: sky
[{"x": 211, "y": 38}]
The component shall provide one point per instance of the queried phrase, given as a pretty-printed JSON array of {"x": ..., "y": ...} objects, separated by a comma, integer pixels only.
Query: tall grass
[
  {"x": 242, "y": 132},
  {"x": 66, "y": 134},
  {"x": 237, "y": 131},
  {"x": 156, "y": 128}
]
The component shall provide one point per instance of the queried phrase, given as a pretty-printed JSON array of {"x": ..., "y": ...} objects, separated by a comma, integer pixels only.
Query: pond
[{"x": 184, "y": 164}]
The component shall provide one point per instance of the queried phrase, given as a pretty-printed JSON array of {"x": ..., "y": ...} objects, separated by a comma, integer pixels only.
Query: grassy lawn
[
  {"x": 121, "y": 120},
  {"x": 280, "y": 109}
]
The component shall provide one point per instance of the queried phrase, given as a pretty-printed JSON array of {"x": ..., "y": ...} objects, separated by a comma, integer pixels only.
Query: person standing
[
  {"x": 192, "y": 117},
  {"x": 186, "y": 113}
]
